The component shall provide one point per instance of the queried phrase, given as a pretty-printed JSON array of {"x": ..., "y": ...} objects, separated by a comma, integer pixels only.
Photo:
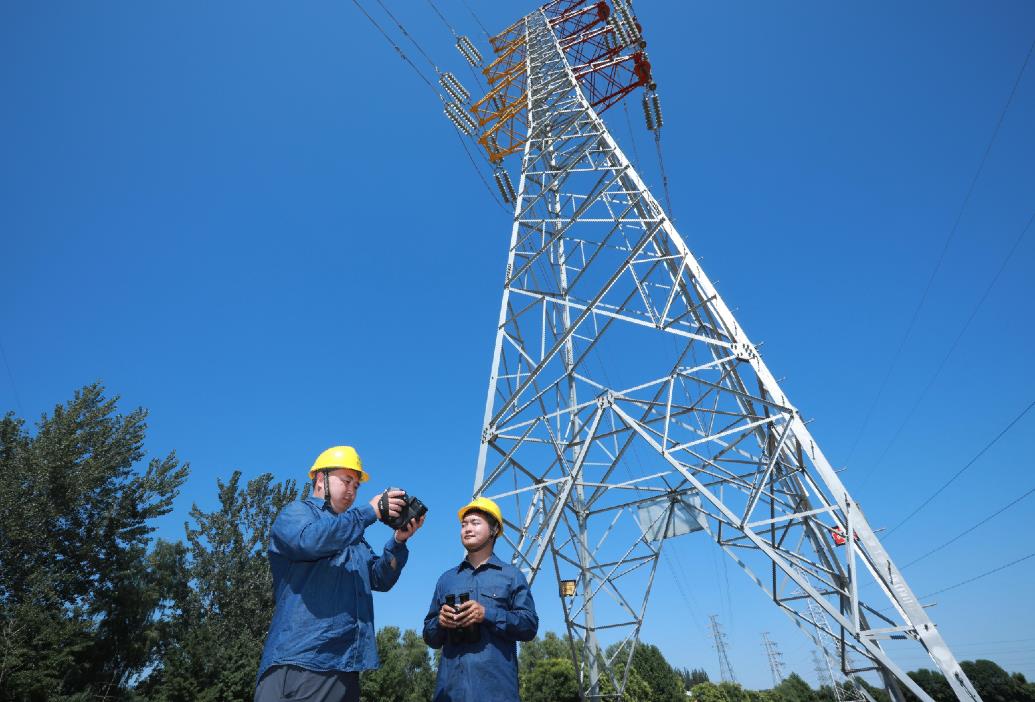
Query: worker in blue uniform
[
  {"x": 480, "y": 610},
  {"x": 322, "y": 633}
]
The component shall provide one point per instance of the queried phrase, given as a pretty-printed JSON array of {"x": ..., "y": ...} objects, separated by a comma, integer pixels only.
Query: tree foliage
[
  {"x": 664, "y": 682},
  {"x": 79, "y": 587},
  {"x": 406, "y": 673},
  {"x": 794, "y": 689},
  {"x": 992, "y": 683},
  {"x": 707, "y": 692},
  {"x": 550, "y": 680},
  {"x": 933, "y": 683},
  {"x": 996, "y": 685},
  {"x": 637, "y": 689},
  {"x": 877, "y": 693},
  {"x": 734, "y": 692},
  {"x": 532, "y": 654},
  {"x": 692, "y": 677},
  {"x": 222, "y": 597}
]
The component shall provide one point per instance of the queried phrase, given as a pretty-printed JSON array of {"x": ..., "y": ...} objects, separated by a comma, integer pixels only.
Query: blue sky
[{"x": 253, "y": 219}]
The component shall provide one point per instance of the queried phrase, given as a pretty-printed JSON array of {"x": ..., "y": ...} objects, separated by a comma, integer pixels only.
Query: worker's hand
[
  {"x": 448, "y": 617},
  {"x": 395, "y": 503},
  {"x": 409, "y": 529},
  {"x": 471, "y": 612}
]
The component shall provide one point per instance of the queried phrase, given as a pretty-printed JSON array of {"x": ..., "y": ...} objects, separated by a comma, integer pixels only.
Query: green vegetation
[{"x": 93, "y": 608}]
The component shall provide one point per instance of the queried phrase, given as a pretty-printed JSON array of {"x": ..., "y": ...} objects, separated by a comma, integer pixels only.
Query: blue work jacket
[
  {"x": 323, "y": 574},
  {"x": 487, "y": 668}
]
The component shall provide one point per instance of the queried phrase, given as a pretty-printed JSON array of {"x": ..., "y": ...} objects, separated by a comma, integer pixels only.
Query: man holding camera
[
  {"x": 480, "y": 610},
  {"x": 322, "y": 633}
]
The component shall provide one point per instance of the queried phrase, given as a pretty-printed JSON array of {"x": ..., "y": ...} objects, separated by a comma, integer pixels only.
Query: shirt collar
[
  {"x": 493, "y": 561},
  {"x": 319, "y": 503}
]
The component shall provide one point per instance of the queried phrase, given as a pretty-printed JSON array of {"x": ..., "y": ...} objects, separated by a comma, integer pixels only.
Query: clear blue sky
[{"x": 253, "y": 219}]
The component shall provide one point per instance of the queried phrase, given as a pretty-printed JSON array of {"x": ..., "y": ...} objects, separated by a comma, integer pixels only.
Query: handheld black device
[
  {"x": 467, "y": 634},
  {"x": 412, "y": 509}
]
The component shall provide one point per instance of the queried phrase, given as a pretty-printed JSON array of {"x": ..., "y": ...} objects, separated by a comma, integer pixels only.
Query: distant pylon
[
  {"x": 823, "y": 676},
  {"x": 775, "y": 658},
  {"x": 725, "y": 669},
  {"x": 830, "y": 670}
]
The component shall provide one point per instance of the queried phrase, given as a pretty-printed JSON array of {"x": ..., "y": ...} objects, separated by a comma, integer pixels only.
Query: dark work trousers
[{"x": 288, "y": 682}]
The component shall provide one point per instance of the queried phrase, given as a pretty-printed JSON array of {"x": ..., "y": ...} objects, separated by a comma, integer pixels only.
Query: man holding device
[
  {"x": 480, "y": 610},
  {"x": 322, "y": 633}
]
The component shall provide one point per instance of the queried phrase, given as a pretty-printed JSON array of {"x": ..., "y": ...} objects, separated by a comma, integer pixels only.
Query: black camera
[
  {"x": 412, "y": 509},
  {"x": 466, "y": 634}
]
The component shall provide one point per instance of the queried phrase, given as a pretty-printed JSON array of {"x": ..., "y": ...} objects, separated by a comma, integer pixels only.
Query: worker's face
[
  {"x": 475, "y": 531},
  {"x": 344, "y": 484}
]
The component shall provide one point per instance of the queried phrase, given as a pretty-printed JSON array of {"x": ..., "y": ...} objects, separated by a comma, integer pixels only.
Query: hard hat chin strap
[{"x": 326, "y": 490}]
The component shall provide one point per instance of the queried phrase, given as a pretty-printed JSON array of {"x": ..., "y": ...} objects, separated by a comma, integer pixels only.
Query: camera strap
[{"x": 382, "y": 506}]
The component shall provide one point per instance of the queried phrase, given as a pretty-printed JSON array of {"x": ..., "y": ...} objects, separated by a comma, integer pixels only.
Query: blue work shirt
[
  {"x": 323, "y": 574},
  {"x": 487, "y": 668}
]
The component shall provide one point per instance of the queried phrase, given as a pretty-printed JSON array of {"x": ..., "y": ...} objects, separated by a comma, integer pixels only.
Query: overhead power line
[
  {"x": 983, "y": 575},
  {"x": 408, "y": 36},
  {"x": 476, "y": 20},
  {"x": 955, "y": 343},
  {"x": 420, "y": 74},
  {"x": 964, "y": 468},
  {"x": 941, "y": 256},
  {"x": 967, "y": 531},
  {"x": 456, "y": 35},
  {"x": 442, "y": 17},
  {"x": 398, "y": 49},
  {"x": 970, "y": 580}
]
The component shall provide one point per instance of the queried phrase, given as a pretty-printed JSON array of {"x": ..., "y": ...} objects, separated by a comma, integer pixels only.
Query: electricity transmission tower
[
  {"x": 719, "y": 638},
  {"x": 822, "y": 667},
  {"x": 626, "y": 405},
  {"x": 775, "y": 658},
  {"x": 832, "y": 657}
]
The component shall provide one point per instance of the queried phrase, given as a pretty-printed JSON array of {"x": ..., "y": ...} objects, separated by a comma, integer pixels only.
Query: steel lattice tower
[
  {"x": 775, "y": 658},
  {"x": 626, "y": 404},
  {"x": 821, "y": 665},
  {"x": 833, "y": 657},
  {"x": 719, "y": 641}
]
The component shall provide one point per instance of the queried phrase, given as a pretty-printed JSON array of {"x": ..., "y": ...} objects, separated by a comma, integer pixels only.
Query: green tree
[
  {"x": 650, "y": 668},
  {"x": 532, "y": 653},
  {"x": 692, "y": 677},
  {"x": 1023, "y": 681},
  {"x": 405, "y": 674},
  {"x": 734, "y": 692},
  {"x": 707, "y": 692},
  {"x": 636, "y": 687},
  {"x": 994, "y": 684},
  {"x": 80, "y": 591},
  {"x": 794, "y": 689},
  {"x": 546, "y": 669},
  {"x": 664, "y": 682},
  {"x": 550, "y": 680},
  {"x": 877, "y": 693},
  {"x": 550, "y": 646},
  {"x": 222, "y": 597},
  {"x": 933, "y": 683}
]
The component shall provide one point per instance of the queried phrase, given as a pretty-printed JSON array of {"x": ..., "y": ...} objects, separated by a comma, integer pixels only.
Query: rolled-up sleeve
[
  {"x": 302, "y": 535},
  {"x": 519, "y": 621},
  {"x": 385, "y": 570}
]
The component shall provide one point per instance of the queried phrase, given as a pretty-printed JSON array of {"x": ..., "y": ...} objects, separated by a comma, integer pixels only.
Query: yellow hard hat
[
  {"x": 339, "y": 457},
  {"x": 482, "y": 504}
]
